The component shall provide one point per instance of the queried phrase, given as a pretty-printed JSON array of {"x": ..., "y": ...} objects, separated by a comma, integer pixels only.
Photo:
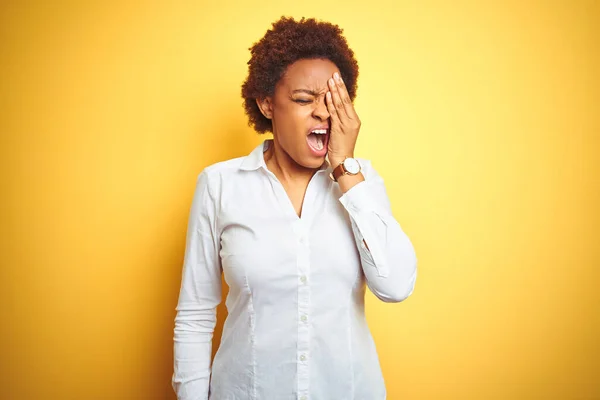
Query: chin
[{"x": 314, "y": 162}]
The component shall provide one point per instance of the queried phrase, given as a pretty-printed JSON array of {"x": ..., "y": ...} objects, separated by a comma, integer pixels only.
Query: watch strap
[{"x": 338, "y": 171}]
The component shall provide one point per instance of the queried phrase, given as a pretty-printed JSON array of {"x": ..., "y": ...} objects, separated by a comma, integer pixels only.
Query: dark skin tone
[{"x": 311, "y": 93}]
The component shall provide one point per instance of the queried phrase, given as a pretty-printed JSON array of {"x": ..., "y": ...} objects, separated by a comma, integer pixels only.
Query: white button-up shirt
[{"x": 296, "y": 326}]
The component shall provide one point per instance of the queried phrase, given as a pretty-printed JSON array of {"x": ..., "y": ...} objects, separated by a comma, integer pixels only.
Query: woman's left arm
[{"x": 387, "y": 255}]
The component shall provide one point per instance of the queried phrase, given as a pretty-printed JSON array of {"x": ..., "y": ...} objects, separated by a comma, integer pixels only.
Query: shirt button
[
  {"x": 302, "y": 357},
  {"x": 303, "y": 279},
  {"x": 304, "y": 318}
]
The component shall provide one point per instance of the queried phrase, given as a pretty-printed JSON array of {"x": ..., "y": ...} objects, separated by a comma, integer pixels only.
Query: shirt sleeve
[
  {"x": 388, "y": 260},
  {"x": 200, "y": 294}
]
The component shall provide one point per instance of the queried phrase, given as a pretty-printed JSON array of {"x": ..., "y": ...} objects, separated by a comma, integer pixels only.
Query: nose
[{"x": 320, "y": 111}]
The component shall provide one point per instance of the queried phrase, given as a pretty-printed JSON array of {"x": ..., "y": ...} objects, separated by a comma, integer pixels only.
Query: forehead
[{"x": 310, "y": 73}]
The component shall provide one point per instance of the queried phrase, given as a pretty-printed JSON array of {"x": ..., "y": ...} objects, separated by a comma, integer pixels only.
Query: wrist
[
  {"x": 337, "y": 160},
  {"x": 347, "y": 182}
]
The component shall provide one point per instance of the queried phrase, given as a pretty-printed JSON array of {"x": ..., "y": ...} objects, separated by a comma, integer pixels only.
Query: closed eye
[{"x": 302, "y": 101}]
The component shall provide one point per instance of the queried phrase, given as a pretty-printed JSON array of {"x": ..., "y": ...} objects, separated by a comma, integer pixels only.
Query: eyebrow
[{"x": 311, "y": 92}]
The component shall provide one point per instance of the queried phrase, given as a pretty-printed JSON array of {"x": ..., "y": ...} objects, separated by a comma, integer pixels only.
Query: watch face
[{"x": 352, "y": 166}]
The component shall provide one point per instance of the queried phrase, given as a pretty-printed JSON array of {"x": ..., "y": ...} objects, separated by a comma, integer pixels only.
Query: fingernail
[{"x": 337, "y": 77}]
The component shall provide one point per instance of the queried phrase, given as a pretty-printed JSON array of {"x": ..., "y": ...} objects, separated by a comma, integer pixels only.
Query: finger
[
  {"x": 343, "y": 93},
  {"x": 337, "y": 100},
  {"x": 333, "y": 114}
]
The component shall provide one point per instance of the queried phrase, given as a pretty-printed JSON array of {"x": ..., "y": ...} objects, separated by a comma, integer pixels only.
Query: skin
[{"x": 310, "y": 93}]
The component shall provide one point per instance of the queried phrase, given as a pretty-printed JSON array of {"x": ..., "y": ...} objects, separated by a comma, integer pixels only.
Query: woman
[{"x": 297, "y": 237}]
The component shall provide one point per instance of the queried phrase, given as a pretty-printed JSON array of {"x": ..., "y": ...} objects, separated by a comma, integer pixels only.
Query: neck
[{"x": 284, "y": 167}]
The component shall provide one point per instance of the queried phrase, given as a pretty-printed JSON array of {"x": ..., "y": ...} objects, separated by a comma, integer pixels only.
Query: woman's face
[{"x": 298, "y": 108}]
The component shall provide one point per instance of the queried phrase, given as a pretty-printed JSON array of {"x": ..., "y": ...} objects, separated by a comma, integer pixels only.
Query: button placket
[{"x": 303, "y": 265}]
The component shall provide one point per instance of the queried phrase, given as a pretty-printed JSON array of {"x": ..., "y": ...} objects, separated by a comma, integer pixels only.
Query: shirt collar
[{"x": 256, "y": 159}]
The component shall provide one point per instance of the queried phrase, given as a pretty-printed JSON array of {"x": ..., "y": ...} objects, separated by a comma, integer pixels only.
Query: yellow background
[{"x": 482, "y": 117}]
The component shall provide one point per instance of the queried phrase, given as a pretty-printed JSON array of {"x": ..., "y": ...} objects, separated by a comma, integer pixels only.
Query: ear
[{"x": 265, "y": 106}]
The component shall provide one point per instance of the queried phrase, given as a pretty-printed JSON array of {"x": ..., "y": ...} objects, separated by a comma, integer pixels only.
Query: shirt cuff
[{"x": 360, "y": 197}]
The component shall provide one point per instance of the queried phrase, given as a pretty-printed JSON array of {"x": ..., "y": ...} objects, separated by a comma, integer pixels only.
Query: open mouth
[{"x": 317, "y": 140}]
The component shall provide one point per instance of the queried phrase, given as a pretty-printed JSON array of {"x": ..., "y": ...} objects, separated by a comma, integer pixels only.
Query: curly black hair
[{"x": 287, "y": 42}]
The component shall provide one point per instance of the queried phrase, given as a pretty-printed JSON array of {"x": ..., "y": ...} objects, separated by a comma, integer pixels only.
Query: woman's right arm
[{"x": 199, "y": 295}]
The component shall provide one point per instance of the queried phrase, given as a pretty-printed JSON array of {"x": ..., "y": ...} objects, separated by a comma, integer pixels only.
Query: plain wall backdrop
[{"x": 481, "y": 116}]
